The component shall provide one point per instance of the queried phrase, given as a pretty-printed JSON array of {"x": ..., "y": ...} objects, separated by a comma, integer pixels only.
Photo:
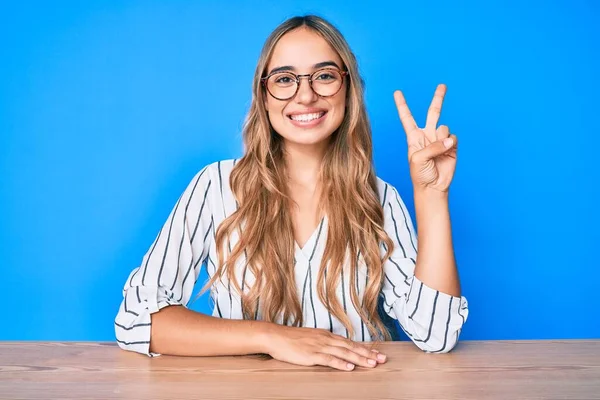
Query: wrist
[
  {"x": 431, "y": 206},
  {"x": 423, "y": 192},
  {"x": 264, "y": 334},
  {"x": 430, "y": 198}
]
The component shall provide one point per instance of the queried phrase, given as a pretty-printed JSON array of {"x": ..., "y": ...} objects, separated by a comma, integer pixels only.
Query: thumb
[{"x": 435, "y": 149}]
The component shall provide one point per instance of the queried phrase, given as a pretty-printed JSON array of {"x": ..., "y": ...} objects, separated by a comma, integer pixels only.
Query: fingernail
[
  {"x": 448, "y": 142},
  {"x": 372, "y": 362},
  {"x": 350, "y": 366},
  {"x": 381, "y": 357}
]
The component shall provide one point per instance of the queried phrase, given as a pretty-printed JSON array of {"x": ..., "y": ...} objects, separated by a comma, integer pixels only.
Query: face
[{"x": 306, "y": 118}]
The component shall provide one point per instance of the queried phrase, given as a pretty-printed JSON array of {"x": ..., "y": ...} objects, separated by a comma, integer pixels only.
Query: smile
[{"x": 307, "y": 117}]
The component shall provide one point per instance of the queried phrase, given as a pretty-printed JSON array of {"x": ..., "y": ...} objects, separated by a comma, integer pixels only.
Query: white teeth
[{"x": 307, "y": 117}]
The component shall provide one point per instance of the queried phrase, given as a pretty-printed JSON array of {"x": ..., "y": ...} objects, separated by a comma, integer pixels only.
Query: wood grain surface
[{"x": 549, "y": 369}]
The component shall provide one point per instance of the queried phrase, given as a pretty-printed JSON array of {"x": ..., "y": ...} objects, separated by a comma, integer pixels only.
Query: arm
[
  {"x": 177, "y": 330},
  {"x": 434, "y": 320},
  {"x": 153, "y": 319},
  {"x": 168, "y": 271},
  {"x": 436, "y": 265},
  {"x": 430, "y": 316}
]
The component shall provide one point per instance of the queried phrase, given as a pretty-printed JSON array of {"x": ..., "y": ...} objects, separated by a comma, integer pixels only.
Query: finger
[
  {"x": 408, "y": 122},
  {"x": 454, "y": 147},
  {"x": 332, "y": 361},
  {"x": 435, "y": 149},
  {"x": 381, "y": 358},
  {"x": 350, "y": 356},
  {"x": 362, "y": 350},
  {"x": 454, "y": 142},
  {"x": 435, "y": 108},
  {"x": 442, "y": 132}
]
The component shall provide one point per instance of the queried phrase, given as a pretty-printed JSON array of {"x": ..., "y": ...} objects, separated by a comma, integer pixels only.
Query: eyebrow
[{"x": 316, "y": 66}]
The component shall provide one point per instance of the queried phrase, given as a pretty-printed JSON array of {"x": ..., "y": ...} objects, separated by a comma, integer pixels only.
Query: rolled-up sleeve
[
  {"x": 169, "y": 269},
  {"x": 432, "y": 319}
]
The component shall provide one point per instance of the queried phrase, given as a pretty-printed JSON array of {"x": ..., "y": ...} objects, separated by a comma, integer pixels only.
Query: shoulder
[
  {"x": 394, "y": 207},
  {"x": 387, "y": 192},
  {"x": 210, "y": 185},
  {"x": 391, "y": 200},
  {"x": 216, "y": 170}
]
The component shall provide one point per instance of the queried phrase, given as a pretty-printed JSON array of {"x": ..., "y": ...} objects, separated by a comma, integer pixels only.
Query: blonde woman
[{"x": 301, "y": 240}]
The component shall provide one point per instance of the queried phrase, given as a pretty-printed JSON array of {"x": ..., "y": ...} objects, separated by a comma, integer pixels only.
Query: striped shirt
[{"x": 170, "y": 268}]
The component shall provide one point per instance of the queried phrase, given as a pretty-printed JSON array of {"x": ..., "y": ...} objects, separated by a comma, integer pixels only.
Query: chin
[{"x": 307, "y": 136}]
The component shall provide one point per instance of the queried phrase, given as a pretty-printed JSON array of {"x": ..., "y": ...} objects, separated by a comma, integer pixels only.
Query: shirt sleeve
[
  {"x": 169, "y": 269},
  {"x": 431, "y": 319}
]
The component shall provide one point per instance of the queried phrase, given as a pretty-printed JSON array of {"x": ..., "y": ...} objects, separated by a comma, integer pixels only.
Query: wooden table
[{"x": 473, "y": 370}]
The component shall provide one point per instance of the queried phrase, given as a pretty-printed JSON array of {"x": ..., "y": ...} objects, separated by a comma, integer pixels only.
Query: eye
[
  {"x": 285, "y": 79},
  {"x": 324, "y": 76}
]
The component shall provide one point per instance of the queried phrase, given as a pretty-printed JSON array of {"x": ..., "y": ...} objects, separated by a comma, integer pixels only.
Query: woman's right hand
[{"x": 310, "y": 346}]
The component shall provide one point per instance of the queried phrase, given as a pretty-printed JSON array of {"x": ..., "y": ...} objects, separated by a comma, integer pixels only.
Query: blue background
[{"x": 108, "y": 109}]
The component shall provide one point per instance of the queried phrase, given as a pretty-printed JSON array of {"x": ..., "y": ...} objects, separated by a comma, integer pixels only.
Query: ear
[
  {"x": 263, "y": 91},
  {"x": 265, "y": 100}
]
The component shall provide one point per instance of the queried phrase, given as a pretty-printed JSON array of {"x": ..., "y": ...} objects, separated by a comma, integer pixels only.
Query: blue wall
[{"x": 108, "y": 109}]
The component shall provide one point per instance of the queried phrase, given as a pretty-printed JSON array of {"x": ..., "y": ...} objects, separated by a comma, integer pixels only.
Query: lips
[
  {"x": 307, "y": 111},
  {"x": 307, "y": 118}
]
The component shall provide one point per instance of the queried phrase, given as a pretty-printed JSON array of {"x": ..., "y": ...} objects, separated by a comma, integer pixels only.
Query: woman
[{"x": 300, "y": 238}]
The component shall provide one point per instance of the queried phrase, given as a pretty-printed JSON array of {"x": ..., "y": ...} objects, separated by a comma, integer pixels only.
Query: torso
[
  {"x": 305, "y": 213},
  {"x": 311, "y": 230}
]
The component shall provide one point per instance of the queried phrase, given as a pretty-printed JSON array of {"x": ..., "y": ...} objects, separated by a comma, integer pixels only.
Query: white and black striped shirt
[{"x": 169, "y": 270}]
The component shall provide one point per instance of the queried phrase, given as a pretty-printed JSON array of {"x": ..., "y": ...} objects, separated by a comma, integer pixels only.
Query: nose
[{"x": 306, "y": 94}]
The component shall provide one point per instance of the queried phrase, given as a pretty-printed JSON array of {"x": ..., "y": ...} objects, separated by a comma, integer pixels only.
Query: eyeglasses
[{"x": 324, "y": 82}]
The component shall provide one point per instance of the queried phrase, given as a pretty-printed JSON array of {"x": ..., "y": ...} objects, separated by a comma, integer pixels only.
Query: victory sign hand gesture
[{"x": 431, "y": 150}]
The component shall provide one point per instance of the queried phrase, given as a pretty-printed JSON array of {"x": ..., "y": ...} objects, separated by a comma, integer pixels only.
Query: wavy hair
[{"x": 349, "y": 198}]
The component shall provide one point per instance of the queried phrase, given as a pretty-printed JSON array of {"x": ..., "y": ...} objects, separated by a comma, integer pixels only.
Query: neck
[{"x": 304, "y": 162}]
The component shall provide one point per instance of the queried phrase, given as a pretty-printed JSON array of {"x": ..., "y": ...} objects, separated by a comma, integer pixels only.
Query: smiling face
[{"x": 306, "y": 118}]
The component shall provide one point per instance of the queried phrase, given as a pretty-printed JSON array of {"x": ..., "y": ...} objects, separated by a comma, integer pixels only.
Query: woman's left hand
[{"x": 431, "y": 150}]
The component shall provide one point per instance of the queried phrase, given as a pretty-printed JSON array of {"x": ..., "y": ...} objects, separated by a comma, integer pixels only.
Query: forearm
[
  {"x": 436, "y": 265},
  {"x": 177, "y": 330}
]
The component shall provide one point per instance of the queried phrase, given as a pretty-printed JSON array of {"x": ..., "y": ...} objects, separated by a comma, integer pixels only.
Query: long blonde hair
[{"x": 350, "y": 199}]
